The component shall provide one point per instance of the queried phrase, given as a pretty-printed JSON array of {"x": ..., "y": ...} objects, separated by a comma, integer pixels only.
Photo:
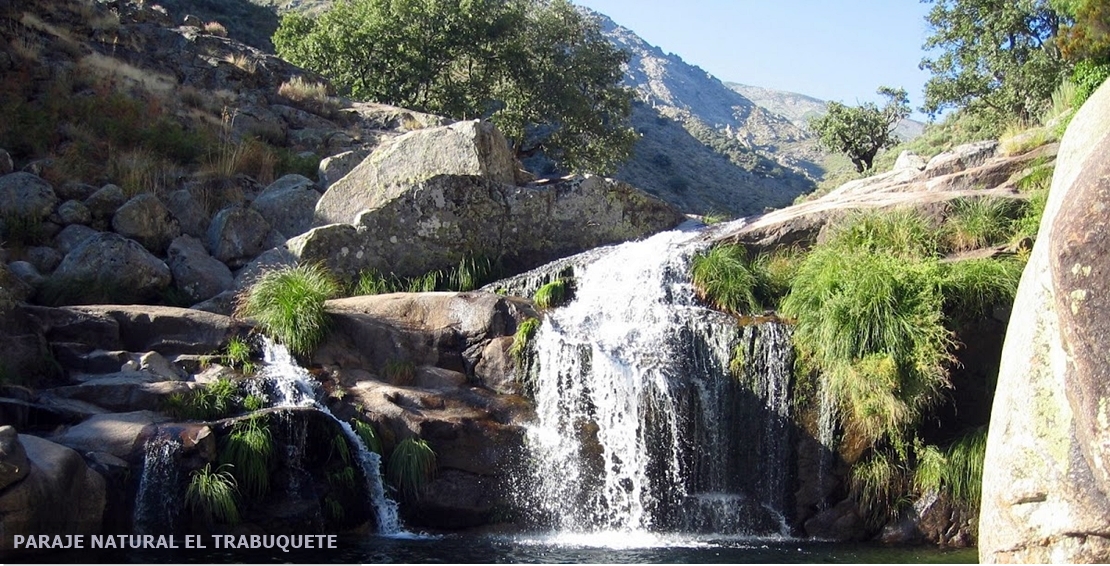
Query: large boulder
[
  {"x": 435, "y": 223},
  {"x": 288, "y": 204},
  {"x": 473, "y": 148},
  {"x": 59, "y": 496},
  {"x": 123, "y": 435},
  {"x": 197, "y": 274},
  {"x": 1046, "y": 476},
  {"x": 147, "y": 221},
  {"x": 23, "y": 195},
  {"x": 109, "y": 268},
  {"x": 189, "y": 213},
  {"x": 14, "y": 465},
  {"x": 104, "y": 203},
  {"x": 237, "y": 235}
]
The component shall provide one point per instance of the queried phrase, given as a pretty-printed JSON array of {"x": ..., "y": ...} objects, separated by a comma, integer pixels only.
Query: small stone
[{"x": 74, "y": 212}]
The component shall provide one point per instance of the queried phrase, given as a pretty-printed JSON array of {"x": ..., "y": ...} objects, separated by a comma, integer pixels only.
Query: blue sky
[{"x": 830, "y": 49}]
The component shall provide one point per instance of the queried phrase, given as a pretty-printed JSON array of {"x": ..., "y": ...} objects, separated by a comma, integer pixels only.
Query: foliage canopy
[
  {"x": 539, "y": 69},
  {"x": 861, "y": 131}
]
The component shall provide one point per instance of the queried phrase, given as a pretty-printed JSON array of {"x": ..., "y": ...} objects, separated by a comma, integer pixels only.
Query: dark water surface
[{"x": 543, "y": 548}]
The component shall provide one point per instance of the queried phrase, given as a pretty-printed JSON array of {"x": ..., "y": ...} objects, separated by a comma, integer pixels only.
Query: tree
[
  {"x": 861, "y": 131},
  {"x": 539, "y": 69},
  {"x": 995, "y": 56}
]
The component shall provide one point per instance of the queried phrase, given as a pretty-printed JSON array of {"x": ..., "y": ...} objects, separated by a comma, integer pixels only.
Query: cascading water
[
  {"x": 293, "y": 387},
  {"x": 641, "y": 426},
  {"x": 158, "y": 499}
]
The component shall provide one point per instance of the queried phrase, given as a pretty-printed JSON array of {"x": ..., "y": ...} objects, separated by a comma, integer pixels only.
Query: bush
[
  {"x": 972, "y": 288},
  {"x": 411, "y": 466},
  {"x": 248, "y": 449},
  {"x": 288, "y": 304},
  {"x": 211, "y": 495}
]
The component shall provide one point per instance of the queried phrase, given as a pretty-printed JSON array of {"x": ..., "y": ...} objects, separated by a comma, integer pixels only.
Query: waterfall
[
  {"x": 640, "y": 424},
  {"x": 294, "y": 387},
  {"x": 159, "y": 498}
]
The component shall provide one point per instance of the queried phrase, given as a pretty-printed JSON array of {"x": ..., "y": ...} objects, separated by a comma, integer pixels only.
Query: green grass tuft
[
  {"x": 973, "y": 288},
  {"x": 520, "y": 351},
  {"x": 399, "y": 372},
  {"x": 903, "y": 233},
  {"x": 723, "y": 277},
  {"x": 288, "y": 304},
  {"x": 411, "y": 466},
  {"x": 957, "y": 470},
  {"x": 211, "y": 495},
  {"x": 248, "y": 448},
  {"x": 365, "y": 431},
  {"x": 978, "y": 223},
  {"x": 215, "y": 400},
  {"x": 554, "y": 294}
]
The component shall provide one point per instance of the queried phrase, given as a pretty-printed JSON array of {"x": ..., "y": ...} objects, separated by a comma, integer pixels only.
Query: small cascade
[
  {"x": 159, "y": 498},
  {"x": 294, "y": 387},
  {"x": 641, "y": 425}
]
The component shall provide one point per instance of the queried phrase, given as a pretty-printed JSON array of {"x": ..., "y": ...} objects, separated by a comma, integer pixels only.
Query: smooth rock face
[
  {"x": 199, "y": 275},
  {"x": 122, "y": 435},
  {"x": 147, "y": 221},
  {"x": 473, "y": 148},
  {"x": 1045, "y": 474},
  {"x": 111, "y": 267},
  {"x": 436, "y": 223},
  {"x": 26, "y": 196},
  {"x": 288, "y": 204},
  {"x": 237, "y": 235},
  {"x": 59, "y": 496}
]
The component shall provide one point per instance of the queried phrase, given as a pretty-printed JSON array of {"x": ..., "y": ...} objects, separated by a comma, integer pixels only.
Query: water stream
[
  {"x": 641, "y": 425},
  {"x": 158, "y": 499},
  {"x": 294, "y": 387}
]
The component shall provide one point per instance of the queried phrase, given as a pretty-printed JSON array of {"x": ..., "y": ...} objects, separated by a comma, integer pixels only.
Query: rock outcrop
[
  {"x": 110, "y": 268},
  {"x": 1046, "y": 476}
]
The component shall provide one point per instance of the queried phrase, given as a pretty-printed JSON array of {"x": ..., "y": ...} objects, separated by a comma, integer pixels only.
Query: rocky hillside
[{"x": 799, "y": 108}]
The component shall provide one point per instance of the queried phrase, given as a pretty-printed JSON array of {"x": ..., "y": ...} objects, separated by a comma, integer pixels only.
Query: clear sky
[{"x": 838, "y": 50}]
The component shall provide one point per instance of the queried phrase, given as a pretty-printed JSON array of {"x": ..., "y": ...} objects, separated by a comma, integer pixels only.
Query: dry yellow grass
[{"x": 215, "y": 28}]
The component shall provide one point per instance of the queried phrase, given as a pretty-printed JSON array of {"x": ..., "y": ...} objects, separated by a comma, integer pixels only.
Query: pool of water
[{"x": 620, "y": 547}]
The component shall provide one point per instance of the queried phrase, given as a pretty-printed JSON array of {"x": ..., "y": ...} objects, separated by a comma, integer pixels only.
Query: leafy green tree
[
  {"x": 861, "y": 131},
  {"x": 539, "y": 69},
  {"x": 997, "y": 56}
]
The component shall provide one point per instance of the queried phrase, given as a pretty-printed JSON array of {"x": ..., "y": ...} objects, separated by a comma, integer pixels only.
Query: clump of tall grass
[
  {"x": 972, "y": 288},
  {"x": 903, "y": 233},
  {"x": 211, "y": 495},
  {"x": 365, "y": 432},
  {"x": 399, "y": 372},
  {"x": 288, "y": 304},
  {"x": 238, "y": 355},
  {"x": 723, "y": 277},
  {"x": 878, "y": 483},
  {"x": 957, "y": 470},
  {"x": 553, "y": 294},
  {"x": 248, "y": 448},
  {"x": 978, "y": 223},
  {"x": 214, "y": 400},
  {"x": 411, "y": 466},
  {"x": 471, "y": 273},
  {"x": 520, "y": 351}
]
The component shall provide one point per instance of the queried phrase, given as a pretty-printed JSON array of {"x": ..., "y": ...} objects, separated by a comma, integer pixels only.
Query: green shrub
[
  {"x": 903, "y": 233},
  {"x": 978, "y": 223},
  {"x": 211, "y": 495},
  {"x": 238, "y": 355},
  {"x": 775, "y": 273},
  {"x": 1088, "y": 76},
  {"x": 723, "y": 277},
  {"x": 411, "y": 466},
  {"x": 1029, "y": 223},
  {"x": 553, "y": 294},
  {"x": 878, "y": 483},
  {"x": 214, "y": 400},
  {"x": 956, "y": 470},
  {"x": 253, "y": 402},
  {"x": 288, "y": 304},
  {"x": 248, "y": 448}
]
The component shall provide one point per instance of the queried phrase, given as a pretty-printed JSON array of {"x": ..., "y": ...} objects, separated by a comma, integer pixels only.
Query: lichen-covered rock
[
  {"x": 147, "y": 221},
  {"x": 188, "y": 212},
  {"x": 23, "y": 195},
  {"x": 438, "y": 222},
  {"x": 288, "y": 204},
  {"x": 337, "y": 166},
  {"x": 1046, "y": 476},
  {"x": 104, "y": 203},
  {"x": 74, "y": 212},
  {"x": 473, "y": 148},
  {"x": 961, "y": 157},
  {"x": 110, "y": 268},
  {"x": 59, "y": 496},
  {"x": 909, "y": 160},
  {"x": 199, "y": 275},
  {"x": 237, "y": 235}
]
